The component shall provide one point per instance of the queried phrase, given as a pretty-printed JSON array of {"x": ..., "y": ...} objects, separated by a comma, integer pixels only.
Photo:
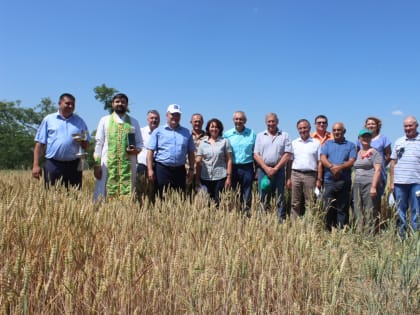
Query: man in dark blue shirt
[{"x": 337, "y": 158}]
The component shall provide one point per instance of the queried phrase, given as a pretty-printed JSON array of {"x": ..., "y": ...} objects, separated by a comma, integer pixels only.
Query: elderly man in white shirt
[{"x": 303, "y": 169}]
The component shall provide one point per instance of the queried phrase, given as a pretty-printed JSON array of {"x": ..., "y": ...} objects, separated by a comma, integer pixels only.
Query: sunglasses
[{"x": 321, "y": 123}]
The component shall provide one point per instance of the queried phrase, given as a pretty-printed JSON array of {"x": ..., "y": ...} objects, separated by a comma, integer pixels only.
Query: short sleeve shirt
[
  {"x": 407, "y": 155},
  {"x": 242, "y": 144},
  {"x": 364, "y": 166},
  {"x": 56, "y": 132},
  {"x": 271, "y": 148},
  {"x": 338, "y": 153},
  {"x": 171, "y": 146},
  {"x": 214, "y": 158}
]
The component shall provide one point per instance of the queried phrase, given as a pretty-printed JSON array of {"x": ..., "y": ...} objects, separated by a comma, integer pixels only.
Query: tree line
[{"x": 18, "y": 126}]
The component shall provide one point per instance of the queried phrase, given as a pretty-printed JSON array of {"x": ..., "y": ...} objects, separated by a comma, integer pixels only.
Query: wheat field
[{"x": 62, "y": 254}]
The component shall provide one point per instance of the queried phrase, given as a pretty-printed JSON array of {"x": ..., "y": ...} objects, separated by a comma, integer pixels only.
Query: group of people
[{"x": 171, "y": 156}]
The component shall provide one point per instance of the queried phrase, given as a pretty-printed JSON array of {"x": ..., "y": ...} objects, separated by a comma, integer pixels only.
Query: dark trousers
[
  {"x": 144, "y": 187},
  {"x": 66, "y": 171},
  {"x": 336, "y": 199},
  {"x": 243, "y": 177},
  {"x": 170, "y": 177},
  {"x": 214, "y": 188}
]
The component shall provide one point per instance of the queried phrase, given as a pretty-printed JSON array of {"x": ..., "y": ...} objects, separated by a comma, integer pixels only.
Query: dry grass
[{"x": 62, "y": 254}]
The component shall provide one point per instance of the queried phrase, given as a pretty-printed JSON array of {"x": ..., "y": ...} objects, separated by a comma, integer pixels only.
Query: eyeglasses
[
  {"x": 337, "y": 130},
  {"x": 321, "y": 123}
]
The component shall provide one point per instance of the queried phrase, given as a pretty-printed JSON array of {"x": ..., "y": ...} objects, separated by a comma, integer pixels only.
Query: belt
[
  {"x": 244, "y": 165},
  {"x": 304, "y": 172},
  {"x": 171, "y": 167},
  {"x": 65, "y": 162}
]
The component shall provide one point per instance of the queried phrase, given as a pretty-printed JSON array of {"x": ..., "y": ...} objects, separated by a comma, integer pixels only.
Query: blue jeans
[
  {"x": 277, "y": 190},
  {"x": 405, "y": 194},
  {"x": 336, "y": 198},
  {"x": 243, "y": 176}
]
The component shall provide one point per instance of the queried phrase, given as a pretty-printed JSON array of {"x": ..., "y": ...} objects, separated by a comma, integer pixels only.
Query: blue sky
[{"x": 344, "y": 59}]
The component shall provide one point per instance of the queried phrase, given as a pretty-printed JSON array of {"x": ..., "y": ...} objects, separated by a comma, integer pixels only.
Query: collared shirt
[
  {"x": 338, "y": 153},
  {"x": 101, "y": 137},
  {"x": 197, "y": 138},
  {"x": 271, "y": 148},
  {"x": 305, "y": 154},
  {"x": 328, "y": 136},
  {"x": 407, "y": 153},
  {"x": 171, "y": 146},
  {"x": 214, "y": 158},
  {"x": 242, "y": 144},
  {"x": 145, "y": 134},
  {"x": 56, "y": 132}
]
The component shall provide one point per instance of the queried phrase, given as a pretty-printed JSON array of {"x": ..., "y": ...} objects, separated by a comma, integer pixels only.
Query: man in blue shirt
[
  {"x": 56, "y": 132},
  {"x": 337, "y": 158},
  {"x": 167, "y": 150},
  {"x": 242, "y": 141}
]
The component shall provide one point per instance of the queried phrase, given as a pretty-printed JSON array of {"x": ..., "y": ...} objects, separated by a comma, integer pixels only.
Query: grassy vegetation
[{"x": 62, "y": 254}]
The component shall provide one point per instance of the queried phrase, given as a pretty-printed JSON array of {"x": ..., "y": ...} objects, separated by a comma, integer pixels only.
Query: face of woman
[
  {"x": 372, "y": 126},
  {"x": 365, "y": 140},
  {"x": 214, "y": 130}
]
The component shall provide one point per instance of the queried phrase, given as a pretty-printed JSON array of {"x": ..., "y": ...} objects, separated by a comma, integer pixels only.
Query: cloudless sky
[{"x": 347, "y": 59}]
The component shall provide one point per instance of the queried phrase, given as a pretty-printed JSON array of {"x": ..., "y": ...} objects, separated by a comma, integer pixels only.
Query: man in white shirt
[
  {"x": 117, "y": 142},
  {"x": 304, "y": 169},
  {"x": 153, "y": 121},
  {"x": 145, "y": 187}
]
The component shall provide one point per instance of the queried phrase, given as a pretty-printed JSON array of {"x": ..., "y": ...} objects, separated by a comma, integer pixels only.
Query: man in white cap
[{"x": 169, "y": 146}]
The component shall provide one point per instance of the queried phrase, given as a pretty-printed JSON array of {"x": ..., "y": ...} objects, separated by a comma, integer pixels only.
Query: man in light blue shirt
[
  {"x": 405, "y": 175},
  {"x": 167, "y": 150},
  {"x": 242, "y": 141},
  {"x": 56, "y": 132}
]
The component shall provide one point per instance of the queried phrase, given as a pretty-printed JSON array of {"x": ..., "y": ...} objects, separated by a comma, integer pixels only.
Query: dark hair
[
  {"x": 68, "y": 95},
  {"x": 303, "y": 120},
  {"x": 321, "y": 116},
  {"x": 153, "y": 111},
  {"x": 217, "y": 122},
  {"x": 197, "y": 114},
  {"x": 120, "y": 96}
]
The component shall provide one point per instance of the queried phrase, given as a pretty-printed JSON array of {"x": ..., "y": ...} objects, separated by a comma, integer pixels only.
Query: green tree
[
  {"x": 18, "y": 126},
  {"x": 104, "y": 95}
]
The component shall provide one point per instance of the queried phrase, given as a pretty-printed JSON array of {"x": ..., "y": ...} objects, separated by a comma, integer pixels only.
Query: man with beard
[{"x": 118, "y": 141}]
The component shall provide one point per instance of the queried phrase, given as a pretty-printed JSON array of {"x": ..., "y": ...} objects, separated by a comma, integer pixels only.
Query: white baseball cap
[{"x": 174, "y": 108}]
